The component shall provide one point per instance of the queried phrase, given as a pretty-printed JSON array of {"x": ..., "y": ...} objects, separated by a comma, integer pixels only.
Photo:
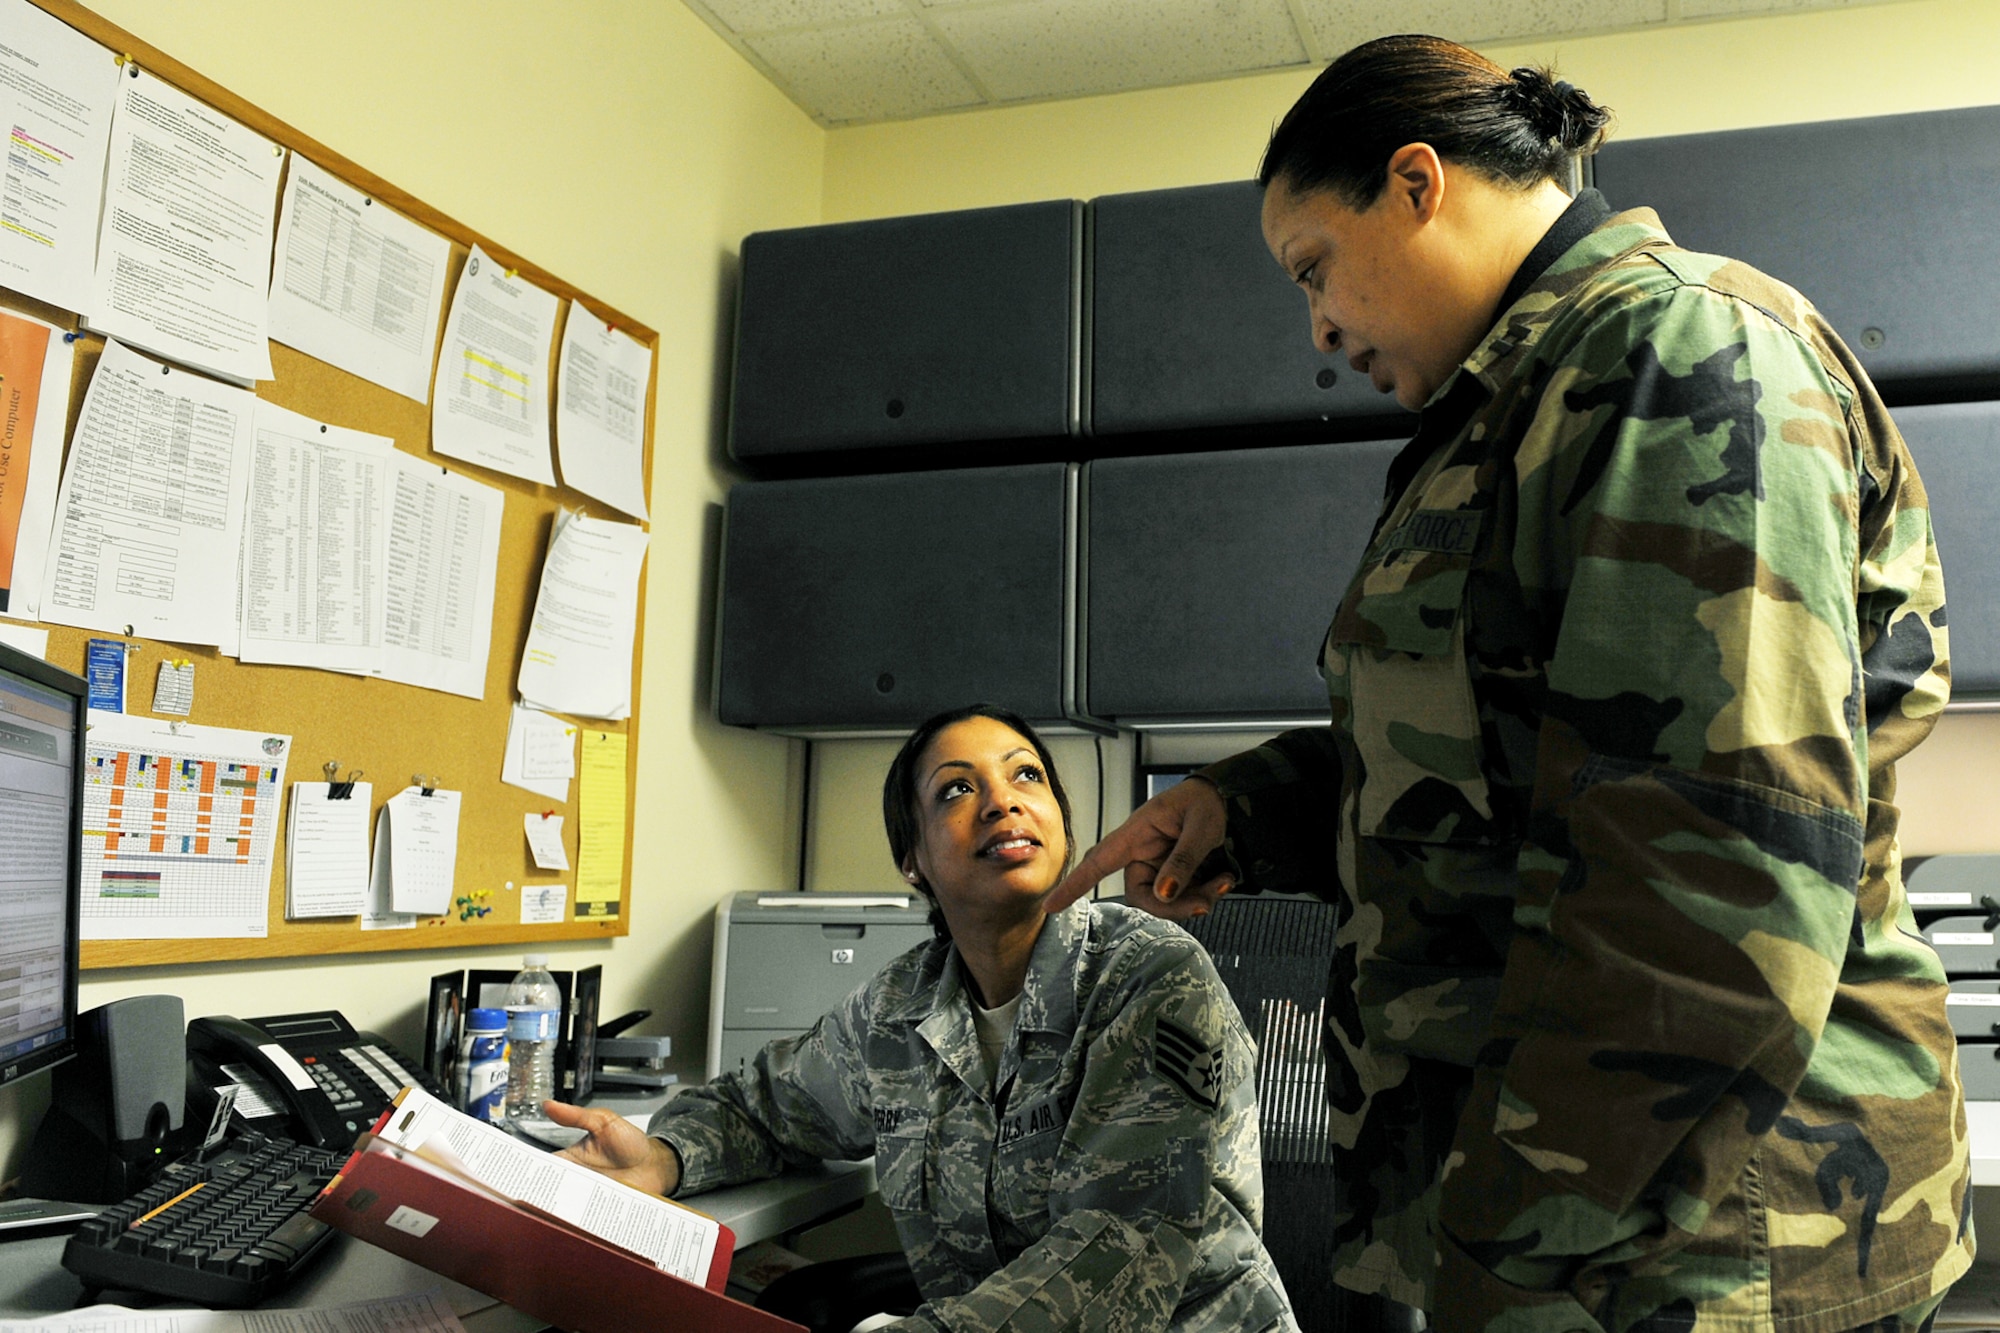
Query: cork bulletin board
[{"x": 387, "y": 731}]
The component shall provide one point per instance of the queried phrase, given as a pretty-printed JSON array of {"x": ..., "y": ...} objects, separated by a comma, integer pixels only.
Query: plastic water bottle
[{"x": 534, "y": 1020}]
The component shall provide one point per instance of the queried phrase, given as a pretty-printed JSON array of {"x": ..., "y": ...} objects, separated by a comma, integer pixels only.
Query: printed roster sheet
[
  {"x": 443, "y": 555},
  {"x": 314, "y": 580},
  {"x": 356, "y": 284},
  {"x": 179, "y": 822},
  {"x": 151, "y": 505}
]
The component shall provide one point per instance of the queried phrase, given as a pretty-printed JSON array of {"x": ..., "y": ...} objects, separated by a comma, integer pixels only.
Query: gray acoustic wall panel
[
  {"x": 1194, "y": 326},
  {"x": 1878, "y": 221},
  {"x": 868, "y": 603},
  {"x": 1212, "y": 577},
  {"x": 1957, "y": 448},
  {"x": 900, "y": 333}
]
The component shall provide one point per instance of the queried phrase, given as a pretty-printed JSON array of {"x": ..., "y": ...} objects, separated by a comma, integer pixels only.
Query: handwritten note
[
  {"x": 600, "y": 874},
  {"x": 545, "y": 841}
]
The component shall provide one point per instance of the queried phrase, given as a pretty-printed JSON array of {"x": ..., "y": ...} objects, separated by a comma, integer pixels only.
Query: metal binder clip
[{"x": 428, "y": 784}]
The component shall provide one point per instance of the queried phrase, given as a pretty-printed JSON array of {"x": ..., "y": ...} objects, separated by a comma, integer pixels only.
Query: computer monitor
[{"x": 43, "y": 714}]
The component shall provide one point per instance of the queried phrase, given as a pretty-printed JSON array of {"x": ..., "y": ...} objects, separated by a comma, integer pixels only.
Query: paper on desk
[
  {"x": 56, "y": 92},
  {"x": 379, "y": 912},
  {"x": 356, "y": 284},
  {"x": 326, "y": 849},
  {"x": 424, "y": 1312},
  {"x": 35, "y": 366},
  {"x": 541, "y": 753},
  {"x": 179, "y": 825},
  {"x": 423, "y": 849},
  {"x": 600, "y": 850},
  {"x": 545, "y": 841},
  {"x": 578, "y": 657},
  {"x": 443, "y": 551},
  {"x": 151, "y": 505},
  {"x": 676, "y": 1239},
  {"x": 313, "y": 576},
  {"x": 184, "y": 252},
  {"x": 492, "y": 404},
  {"x": 601, "y": 386}
]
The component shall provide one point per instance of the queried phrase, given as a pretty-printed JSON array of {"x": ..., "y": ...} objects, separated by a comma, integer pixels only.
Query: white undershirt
[{"x": 993, "y": 1027}]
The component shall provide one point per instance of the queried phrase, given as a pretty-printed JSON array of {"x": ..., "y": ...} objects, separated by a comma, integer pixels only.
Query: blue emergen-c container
[{"x": 483, "y": 1059}]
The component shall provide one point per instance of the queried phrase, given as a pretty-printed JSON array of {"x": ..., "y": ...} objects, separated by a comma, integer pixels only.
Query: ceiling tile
[
  {"x": 1702, "y": 9},
  {"x": 869, "y": 71},
  {"x": 1069, "y": 48},
  {"x": 1340, "y": 24},
  {"x": 766, "y": 15}
]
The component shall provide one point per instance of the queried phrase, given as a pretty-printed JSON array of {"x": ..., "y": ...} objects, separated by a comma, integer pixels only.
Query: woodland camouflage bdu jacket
[{"x": 1630, "y": 1023}]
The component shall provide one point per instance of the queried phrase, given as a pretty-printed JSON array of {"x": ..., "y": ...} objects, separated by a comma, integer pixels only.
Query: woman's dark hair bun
[
  {"x": 1520, "y": 126},
  {"x": 1562, "y": 111}
]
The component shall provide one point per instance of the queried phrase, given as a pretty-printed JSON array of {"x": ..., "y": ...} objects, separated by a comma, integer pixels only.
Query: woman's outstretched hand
[
  {"x": 1161, "y": 849},
  {"x": 618, "y": 1148}
]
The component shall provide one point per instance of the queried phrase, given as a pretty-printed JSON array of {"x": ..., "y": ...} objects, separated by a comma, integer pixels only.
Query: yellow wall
[
  {"x": 1871, "y": 60},
  {"x": 623, "y": 146}
]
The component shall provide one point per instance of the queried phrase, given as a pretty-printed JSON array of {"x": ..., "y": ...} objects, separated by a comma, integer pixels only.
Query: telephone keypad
[{"x": 334, "y": 1086}]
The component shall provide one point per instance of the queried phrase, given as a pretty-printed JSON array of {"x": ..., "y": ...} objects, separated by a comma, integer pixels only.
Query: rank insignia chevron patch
[{"x": 1180, "y": 1057}]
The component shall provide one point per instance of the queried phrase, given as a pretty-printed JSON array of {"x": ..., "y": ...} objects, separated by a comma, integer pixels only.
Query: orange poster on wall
[{"x": 24, "y": 346}]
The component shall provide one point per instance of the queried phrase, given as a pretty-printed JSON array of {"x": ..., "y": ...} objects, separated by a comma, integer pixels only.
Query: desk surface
[{"x": 33, "y": 1281}]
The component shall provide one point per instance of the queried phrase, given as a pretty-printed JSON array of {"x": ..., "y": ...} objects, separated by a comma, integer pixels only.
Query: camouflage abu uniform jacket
[
  {"x": 1630, "y": 1020},
  {"x": 1114, "y": 1181}
]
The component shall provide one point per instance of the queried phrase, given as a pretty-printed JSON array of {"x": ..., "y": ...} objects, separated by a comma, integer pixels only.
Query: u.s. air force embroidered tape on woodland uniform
[
  {"x": 1113, "y": 1181},
  {"x": 1631, "y": 1027}
]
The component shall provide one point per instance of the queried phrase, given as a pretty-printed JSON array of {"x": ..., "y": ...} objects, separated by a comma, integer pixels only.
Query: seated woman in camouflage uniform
[{"x": 1061, "y": 1107}]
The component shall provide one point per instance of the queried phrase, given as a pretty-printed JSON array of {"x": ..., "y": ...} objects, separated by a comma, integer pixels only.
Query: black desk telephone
[{"x": 308, "y": 1077}]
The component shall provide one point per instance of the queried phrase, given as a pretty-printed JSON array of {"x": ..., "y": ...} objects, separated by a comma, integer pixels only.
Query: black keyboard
[{"x": 225, "y": 1229}]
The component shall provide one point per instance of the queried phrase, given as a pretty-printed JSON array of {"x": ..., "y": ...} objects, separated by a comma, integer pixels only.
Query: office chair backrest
[{"x": 1273, "y": 954}]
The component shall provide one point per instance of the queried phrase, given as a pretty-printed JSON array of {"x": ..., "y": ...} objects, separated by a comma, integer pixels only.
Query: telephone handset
[{"x": 309, "y": 1077}]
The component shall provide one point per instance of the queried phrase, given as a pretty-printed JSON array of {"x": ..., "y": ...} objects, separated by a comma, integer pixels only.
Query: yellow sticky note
[{"x": 600, "y": 835}]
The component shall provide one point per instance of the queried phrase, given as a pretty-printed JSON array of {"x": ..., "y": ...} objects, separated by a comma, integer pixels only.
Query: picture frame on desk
[
  {"x": 444, "y": 1025},
  {"x": 578, "y": 1072}
]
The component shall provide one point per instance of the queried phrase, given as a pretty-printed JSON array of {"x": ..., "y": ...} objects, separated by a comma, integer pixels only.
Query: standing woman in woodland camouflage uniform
[
  {"x": 1630, "y": 1024},
  {"x": 1062, "y": 1109}
]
